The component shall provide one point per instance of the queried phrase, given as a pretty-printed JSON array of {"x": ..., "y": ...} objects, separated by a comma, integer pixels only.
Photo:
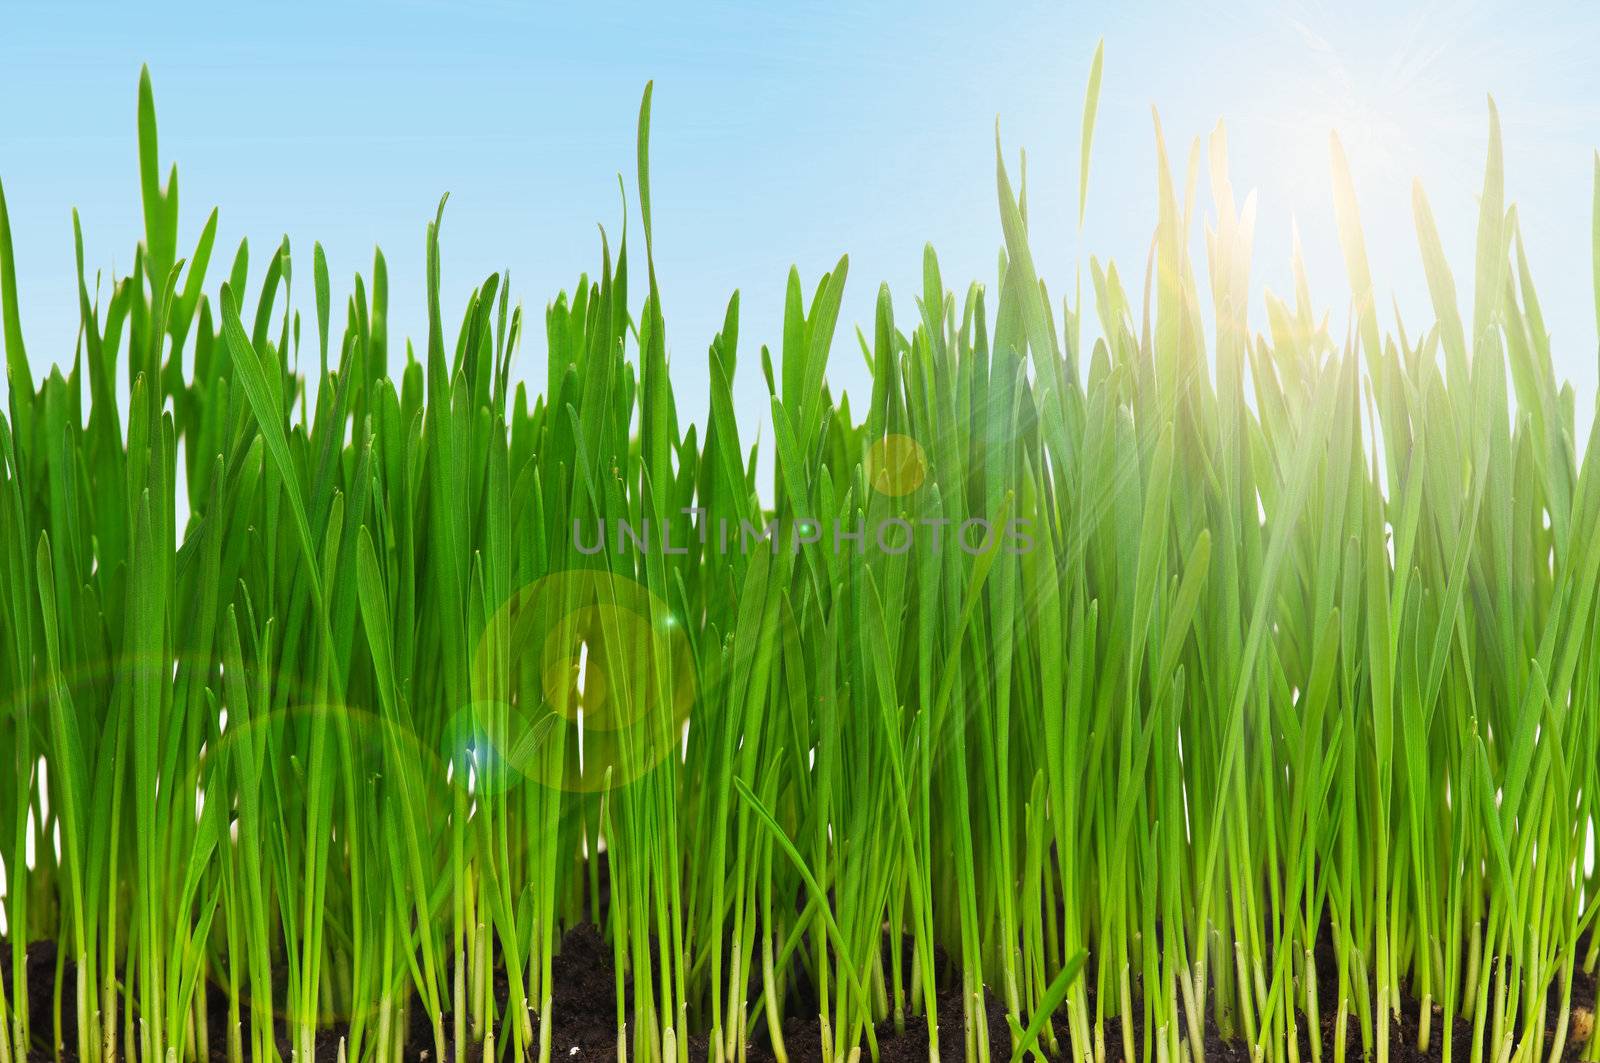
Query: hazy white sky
[{"x": 789, "y": 134}]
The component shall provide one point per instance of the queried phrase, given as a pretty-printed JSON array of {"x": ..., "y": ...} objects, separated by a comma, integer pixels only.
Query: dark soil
[{"x": 585, "y": 1014}]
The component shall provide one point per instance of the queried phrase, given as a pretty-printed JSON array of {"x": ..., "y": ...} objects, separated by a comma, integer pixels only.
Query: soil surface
[{"x": 585, "y": 1016}]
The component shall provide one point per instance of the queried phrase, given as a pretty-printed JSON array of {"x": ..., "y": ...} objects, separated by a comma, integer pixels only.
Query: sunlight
[{"x": 1393, "y": 103}]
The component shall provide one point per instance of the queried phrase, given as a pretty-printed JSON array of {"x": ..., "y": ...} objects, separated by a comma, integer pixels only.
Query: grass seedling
[{"x": 1082, "y": 693}]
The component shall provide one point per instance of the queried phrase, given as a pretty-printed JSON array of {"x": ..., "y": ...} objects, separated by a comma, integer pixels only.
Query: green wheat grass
[{"x": 1303, "y": 658}]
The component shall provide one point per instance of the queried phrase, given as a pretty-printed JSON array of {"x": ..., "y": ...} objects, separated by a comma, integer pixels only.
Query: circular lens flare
[{"x": 589, "y": 678}]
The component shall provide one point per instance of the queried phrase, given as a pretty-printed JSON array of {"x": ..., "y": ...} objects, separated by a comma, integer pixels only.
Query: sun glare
[{"x": 1394, "y": 103}]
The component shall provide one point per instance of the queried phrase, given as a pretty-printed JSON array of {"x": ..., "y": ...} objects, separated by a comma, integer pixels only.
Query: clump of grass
[{"x": 1281, "y": 657}]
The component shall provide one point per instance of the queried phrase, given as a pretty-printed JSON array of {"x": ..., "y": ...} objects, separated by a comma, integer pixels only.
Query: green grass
[{"x": 1302, "y": 649}]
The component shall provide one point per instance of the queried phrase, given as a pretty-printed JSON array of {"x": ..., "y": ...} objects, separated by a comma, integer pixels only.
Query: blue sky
[{"x": 788, "y": 134}]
